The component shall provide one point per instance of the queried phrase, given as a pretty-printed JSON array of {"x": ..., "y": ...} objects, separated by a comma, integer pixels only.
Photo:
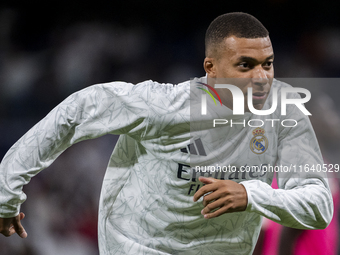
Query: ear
[{"x": 210, "y": 67}]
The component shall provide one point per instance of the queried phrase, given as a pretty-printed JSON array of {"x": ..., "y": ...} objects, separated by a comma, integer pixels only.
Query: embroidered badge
[{"x": 259, "y": 143}]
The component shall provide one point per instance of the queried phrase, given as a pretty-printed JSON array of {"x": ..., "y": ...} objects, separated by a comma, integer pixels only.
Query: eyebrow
[{"x": 250, "y": 59}]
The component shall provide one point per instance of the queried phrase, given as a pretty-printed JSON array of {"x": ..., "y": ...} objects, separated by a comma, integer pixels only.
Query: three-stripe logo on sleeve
[{"x": 195, "y": 148}]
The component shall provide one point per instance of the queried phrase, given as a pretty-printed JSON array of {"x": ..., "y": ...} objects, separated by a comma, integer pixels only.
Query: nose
[{"x": 259, "y": 77}]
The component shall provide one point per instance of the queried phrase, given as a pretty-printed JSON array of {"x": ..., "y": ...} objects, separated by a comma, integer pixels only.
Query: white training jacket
[{"x": 146, "y": 203}]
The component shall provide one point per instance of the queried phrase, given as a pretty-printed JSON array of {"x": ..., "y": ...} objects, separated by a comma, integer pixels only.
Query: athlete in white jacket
[{"x": 155, "y": 176}]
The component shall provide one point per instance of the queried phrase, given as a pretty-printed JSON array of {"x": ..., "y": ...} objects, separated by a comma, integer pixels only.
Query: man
[{"x": 149, "y": 197}]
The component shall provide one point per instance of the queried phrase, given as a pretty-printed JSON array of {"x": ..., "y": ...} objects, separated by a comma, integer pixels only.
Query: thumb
[
  {"x": 19, "y": 229},
  {"x": 207, "y": 180}
]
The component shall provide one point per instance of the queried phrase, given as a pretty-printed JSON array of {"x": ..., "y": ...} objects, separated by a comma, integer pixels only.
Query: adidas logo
[{"x": 195, "y": 148}]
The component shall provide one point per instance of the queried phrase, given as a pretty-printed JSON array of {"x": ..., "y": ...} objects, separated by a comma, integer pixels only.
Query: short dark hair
[{"x": 239, "y": 24}]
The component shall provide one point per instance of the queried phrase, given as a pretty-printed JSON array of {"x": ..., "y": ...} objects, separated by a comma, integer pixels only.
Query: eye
[
  {"x": 268, "y": 64},
  {"x": 244, "y": 65}
]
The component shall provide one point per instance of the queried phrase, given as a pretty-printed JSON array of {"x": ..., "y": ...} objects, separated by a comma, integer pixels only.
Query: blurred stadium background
[{"x": 50, "y": 50}]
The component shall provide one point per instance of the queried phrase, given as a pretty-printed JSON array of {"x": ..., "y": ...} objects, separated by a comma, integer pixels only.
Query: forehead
[{"x": 258, "y": 48}]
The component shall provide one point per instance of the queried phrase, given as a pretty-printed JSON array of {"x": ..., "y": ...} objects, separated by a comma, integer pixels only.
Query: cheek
[
  {"x": 270, "y": 74},
  {"x": 225, "y": 70}
]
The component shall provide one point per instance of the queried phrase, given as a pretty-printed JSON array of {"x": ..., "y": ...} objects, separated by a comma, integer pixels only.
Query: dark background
[{"x": 51, "y": 49}]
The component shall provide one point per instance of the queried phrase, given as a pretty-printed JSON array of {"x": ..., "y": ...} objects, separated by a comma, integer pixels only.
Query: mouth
[{"x": 259, "y": 96}]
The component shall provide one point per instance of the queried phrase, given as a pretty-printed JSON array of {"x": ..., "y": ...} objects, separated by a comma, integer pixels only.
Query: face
[{"x": 247, "y": 63}]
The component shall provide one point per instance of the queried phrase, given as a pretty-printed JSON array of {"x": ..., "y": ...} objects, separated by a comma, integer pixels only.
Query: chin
[{"x": 257, "y": 107}]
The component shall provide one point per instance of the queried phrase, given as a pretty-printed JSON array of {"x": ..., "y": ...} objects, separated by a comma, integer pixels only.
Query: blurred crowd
[{"x": 38, "y": 73}]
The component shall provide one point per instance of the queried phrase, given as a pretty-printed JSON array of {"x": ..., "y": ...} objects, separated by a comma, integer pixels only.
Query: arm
[
  {"x": 303, "y": 201},
  {"x": 95, "y": 111}
]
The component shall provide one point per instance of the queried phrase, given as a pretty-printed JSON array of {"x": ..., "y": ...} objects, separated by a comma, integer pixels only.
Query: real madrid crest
[{"x": 259, "y": 143}]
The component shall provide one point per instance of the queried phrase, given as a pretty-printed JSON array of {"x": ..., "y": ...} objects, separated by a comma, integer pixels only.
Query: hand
[
  {"x": 225, "y": 197},
  {"x": 9, "y": 226}
]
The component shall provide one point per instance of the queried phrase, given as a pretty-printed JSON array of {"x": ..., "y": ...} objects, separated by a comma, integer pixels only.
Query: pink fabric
[{"x": 271, "y": 239}]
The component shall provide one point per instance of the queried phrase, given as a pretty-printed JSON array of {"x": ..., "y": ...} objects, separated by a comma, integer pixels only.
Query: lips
[{"x": 259, "y": 96}]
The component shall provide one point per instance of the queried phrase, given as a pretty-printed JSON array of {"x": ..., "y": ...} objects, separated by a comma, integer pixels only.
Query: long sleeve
[
  {"x": 115, "y": 108},
  {"x": 303, "y": 199}
]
